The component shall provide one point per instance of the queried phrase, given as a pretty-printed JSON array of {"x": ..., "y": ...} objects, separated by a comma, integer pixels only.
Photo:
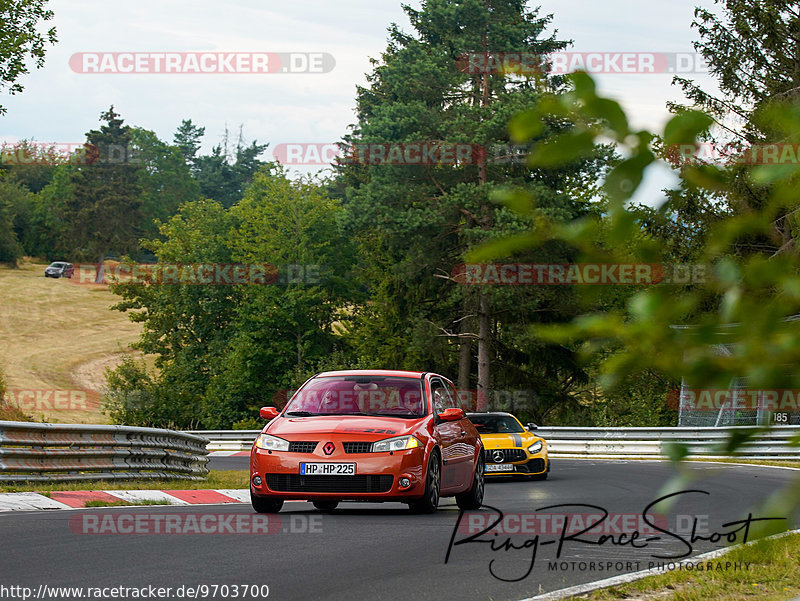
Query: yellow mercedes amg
[{"x": 511, "y": 449}]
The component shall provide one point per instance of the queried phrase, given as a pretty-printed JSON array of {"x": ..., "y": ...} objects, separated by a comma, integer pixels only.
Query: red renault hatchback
[{"x": 368, "y": 435}]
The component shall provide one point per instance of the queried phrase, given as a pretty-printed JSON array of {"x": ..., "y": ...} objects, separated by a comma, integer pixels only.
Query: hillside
[{"x": 56, "y": 340}]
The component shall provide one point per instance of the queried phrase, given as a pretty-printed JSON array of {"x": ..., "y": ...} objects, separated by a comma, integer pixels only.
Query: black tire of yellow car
[
  {"x": 265, "y": 504},
  {"x": 473, "y": 498},
  {"x": 433, "y": 481},
  {"x": 326, "y": 506}
]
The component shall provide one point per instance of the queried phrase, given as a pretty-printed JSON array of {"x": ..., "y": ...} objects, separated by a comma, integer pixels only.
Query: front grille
[
  {"x": 343, "y": 484},
  {"x": 302, "y": 446},
  {"x": 357, "y": 447},
  {"x": 509, "y": 455}
]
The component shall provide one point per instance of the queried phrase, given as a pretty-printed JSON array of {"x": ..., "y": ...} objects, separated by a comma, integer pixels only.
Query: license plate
[
  {"x": 499, "y": 467},
  {"x": 327, "y": 469}
]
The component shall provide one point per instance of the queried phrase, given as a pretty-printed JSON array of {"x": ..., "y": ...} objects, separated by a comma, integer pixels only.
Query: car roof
[
  {"x": 490, "y": 413},
  {"x": 372, "y": 372}
]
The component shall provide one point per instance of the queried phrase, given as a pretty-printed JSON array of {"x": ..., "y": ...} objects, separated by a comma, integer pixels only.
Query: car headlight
[
  {"x": 399, "y": 443},
  {"x": 535, "y": 447},
  {"x": 272, "y": 443}
]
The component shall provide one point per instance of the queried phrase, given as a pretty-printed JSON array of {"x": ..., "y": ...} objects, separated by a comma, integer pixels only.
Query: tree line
[
  {"x": 389, "y": 238},
  {"x": 102, "y": 197}
]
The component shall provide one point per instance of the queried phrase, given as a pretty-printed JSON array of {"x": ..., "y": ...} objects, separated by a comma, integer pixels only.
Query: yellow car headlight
[{"x": 535, "y": 447}]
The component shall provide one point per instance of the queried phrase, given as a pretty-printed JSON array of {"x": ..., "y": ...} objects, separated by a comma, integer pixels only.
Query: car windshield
[
  {"x": 495, "y": 424},
  {"x": 359, "y": 395},
  {"x": 56, "y": 265}
]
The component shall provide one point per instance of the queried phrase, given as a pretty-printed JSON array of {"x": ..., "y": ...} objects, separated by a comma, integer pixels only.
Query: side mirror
[
  {"x": 531, "y": 426},
  {"x": 451, "y": 415},
  {"x": 269, "y": 412}
]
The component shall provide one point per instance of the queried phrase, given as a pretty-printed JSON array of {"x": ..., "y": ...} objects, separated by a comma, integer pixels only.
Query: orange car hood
[{"x": 349, "y": 425}]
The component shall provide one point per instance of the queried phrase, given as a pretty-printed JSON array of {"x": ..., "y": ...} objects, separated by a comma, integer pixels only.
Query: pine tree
[
  {"x": 752, "y": 49},
  {"x": 104, "y": 213},
  {"x": 187, "y": 139},
  {"x": 415, "y": 223}
]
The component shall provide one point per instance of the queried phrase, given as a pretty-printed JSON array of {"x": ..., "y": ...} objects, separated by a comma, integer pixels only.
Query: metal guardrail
[
  {"x": 228, "y": 440},
  {"x": 611, "y": 443},
  {"x": 709, "y": 442},
  {"x": 45, "y": 452}
]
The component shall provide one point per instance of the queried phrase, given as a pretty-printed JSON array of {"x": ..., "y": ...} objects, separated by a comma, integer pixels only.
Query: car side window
[
  {"x": 442, "y": 399},
  {"x": 457, "y": 400}
]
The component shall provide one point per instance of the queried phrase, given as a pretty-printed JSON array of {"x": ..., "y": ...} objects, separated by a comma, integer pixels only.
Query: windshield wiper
[{"x": 300, "y": 413}]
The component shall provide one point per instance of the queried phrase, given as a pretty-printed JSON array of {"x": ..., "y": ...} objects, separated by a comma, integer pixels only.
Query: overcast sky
[{"x": 60, "y": 104}]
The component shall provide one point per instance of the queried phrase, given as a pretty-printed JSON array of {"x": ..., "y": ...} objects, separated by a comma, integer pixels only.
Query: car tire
[
  {"x": 473, "y": 498},
  {"x": 433, "y": 484},
  {"x": 265, "y": 504},
  {"x": 326, "y": 506}
]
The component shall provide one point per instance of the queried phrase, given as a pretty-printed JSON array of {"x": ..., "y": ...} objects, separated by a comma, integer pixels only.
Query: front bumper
[
  {"x": 535, "y": 464},
  {"x": 377, "y": 476}
]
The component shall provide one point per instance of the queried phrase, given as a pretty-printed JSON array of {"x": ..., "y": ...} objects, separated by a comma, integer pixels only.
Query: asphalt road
[
  {"x": 380, "y": 551},
  {"x": 228, "y": 463}
]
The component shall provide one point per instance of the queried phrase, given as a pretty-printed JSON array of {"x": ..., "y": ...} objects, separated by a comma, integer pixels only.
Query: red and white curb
[
  {"x": 229, "y": 454},
  {"x": 77, "y": 499}
]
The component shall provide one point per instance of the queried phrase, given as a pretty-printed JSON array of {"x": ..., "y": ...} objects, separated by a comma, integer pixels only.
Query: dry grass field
[{"x": 57, "y": 338}]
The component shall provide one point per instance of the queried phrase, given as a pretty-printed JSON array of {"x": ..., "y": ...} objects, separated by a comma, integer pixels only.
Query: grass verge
[
  {"x": 216, "y": 479},
  {"x": 12, "y": 414},
  {"x": 771, "y": 576}
]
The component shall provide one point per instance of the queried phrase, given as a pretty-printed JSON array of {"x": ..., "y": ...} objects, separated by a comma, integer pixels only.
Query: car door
[
  {"x": 449, "y": 435},
  {"x": 468, "y": 439}
]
